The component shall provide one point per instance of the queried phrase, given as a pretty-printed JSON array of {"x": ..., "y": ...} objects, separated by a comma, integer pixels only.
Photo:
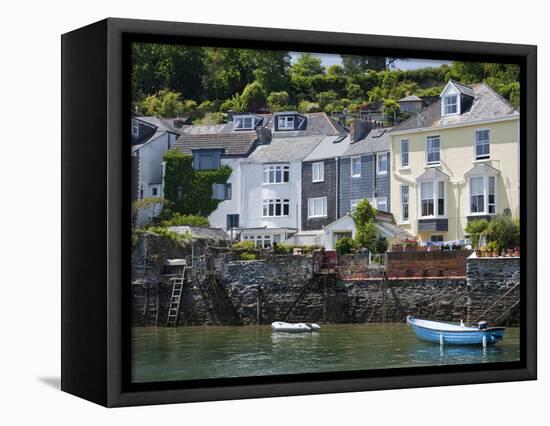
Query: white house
[
  {"x": 151, "y": 138},
  {"x": 271, "y": 177}
]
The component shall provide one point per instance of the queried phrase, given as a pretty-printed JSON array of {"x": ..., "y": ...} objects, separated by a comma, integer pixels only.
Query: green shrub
[
  {"x": 178, "y": 219},
  {"x": 248, "y": 256},
  {"x": 475, "y": 228},
  {"x": 181, "y": 239},
  {"x": 504, "y": 231},
  {"x": 245, "y": 245},
  {"x": 381, "y": 246},
  {"x": 345, "y": 245}
]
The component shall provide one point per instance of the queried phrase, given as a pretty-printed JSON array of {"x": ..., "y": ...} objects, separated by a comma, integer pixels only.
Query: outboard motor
[{"x": 482, "y": 325}]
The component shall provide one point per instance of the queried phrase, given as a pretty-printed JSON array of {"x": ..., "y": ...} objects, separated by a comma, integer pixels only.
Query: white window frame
[
  {"x": 379, "y": 171},
  {"x": 434, "y": 198},
  {"x": 484, "y": 156},
  {"x": 318, "y": 171},
  {"x": 243, "y": 119},
  {"x": 456, "y": 104},
  {"x": 283, "y": 123},
  {"x": 311, "y": 207},
  {"x": 486, "y": 203},
  {"x": 135, "y": 128},
  {"x": 407, "y": 164},
  {"x": 377, "y": 202},
  {"x": 428, "y": 140},
  {"x": 403, "y": 203},
  {"x": 267, "y": 203},
  {"x": 352, "y": 160},
  {"x": 270, "y": 170}
]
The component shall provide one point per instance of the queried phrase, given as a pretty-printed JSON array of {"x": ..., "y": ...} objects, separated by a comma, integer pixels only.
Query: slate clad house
[
  {"x": 456, "y": 161},
  {"x": 151, "y": 138},
  {"x": 320, "y": 182},
  {"x": 213, "y": 146},
  {"x": 365, "y": 172}
]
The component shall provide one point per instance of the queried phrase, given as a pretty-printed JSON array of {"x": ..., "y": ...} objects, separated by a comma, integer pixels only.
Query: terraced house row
[{"x": 298, "y": 176}]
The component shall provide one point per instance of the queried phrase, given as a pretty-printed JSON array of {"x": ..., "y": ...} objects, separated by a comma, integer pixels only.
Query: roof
[
  {"x": 462, "y": 88},
  {"x": 377, "y": 140},
  {"x": 154, "y": 128},
  {"x": 410, "y": 98},
  {"x": 214, "y": 234},
  {"x": 318, "y": 123},
  {"x": 387, "y": 228},
  {"x": 285, "y": 149},
  {"x": 162, "y": 124},
  {"x": 486, "y": 105},
  {"x": 329, "y": 147},
  {"x": 236, "y": 143},
  {"x": 431, "y": 174},
  {"x": 482, "y": 169}
]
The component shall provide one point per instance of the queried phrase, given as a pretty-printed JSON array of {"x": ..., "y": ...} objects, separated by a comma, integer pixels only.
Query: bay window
[
  {"x": 404, "y": 203},
  {"x": 483, "y": 195},
  {"x": 433, "y": 199}
]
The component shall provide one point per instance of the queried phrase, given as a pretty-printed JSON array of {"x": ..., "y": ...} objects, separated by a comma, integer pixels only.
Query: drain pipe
[{"x": 337, "y": 187}]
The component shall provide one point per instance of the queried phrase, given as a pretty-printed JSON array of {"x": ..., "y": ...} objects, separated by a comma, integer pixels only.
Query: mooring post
[
  {"x": 441, "y": 340},
  {"x": 258, "y": 305}
]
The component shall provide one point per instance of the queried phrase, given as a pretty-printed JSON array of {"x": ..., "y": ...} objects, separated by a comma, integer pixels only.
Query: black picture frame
[{"x": 96, "y": 204}]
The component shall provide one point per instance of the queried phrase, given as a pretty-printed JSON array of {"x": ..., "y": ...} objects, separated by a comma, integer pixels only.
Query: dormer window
[
  {"x": 451, "y": 104},
  {"x": 286, "y": 123},
  {"x": 245, "y": 122},
  {"x": 135, "y": 128}
]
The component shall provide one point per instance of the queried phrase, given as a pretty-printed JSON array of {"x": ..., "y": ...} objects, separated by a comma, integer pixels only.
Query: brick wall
[{"x": 427, "y": 264}]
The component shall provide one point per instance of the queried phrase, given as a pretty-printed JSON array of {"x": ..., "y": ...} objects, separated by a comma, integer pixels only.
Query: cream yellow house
[{"x": 456, "y": 161}]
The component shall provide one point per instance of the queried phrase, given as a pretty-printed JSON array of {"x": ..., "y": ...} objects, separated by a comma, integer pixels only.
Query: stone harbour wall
[{"x": 284, "y": 288}]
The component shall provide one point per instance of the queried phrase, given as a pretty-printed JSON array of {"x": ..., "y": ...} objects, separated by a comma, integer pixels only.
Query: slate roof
[
  {"x": 482, "y": 169},
  {"x": 433, "y": 173},
  {"x": 318, "y": 123},
  {"x": 236, "y": 143},
  {"x": 462, "y": 88},
  {"x": 329, "y": 147},
  {"x": 199, "y": 233},
  {"x": 410, "y": 98},
  {"x": 153, "y": 128},
  {"x": 487, "y": 104},
  {"x": 377, "y": 140},
  {"x": 285, "y": 149}
]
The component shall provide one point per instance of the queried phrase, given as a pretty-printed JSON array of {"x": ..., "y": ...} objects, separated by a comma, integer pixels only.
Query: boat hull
[
  {"x": 468, "y": 336},
  {"x": 286, "y": 327}
]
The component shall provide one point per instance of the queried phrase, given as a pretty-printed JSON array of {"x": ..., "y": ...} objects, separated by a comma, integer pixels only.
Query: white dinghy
[{"x": 299, "y": 327}]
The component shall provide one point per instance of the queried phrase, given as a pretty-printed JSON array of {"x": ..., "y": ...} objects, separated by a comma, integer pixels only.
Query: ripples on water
[{"x": 187, "y": 353}]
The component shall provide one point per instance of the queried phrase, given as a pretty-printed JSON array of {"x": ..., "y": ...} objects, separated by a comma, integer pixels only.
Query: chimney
[
  {"x": 360, "y": 128},
  {"x": 263, "y": 135}
]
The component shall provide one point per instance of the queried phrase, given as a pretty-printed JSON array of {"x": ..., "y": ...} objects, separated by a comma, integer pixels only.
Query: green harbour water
[{"x": 205, "y": 352}]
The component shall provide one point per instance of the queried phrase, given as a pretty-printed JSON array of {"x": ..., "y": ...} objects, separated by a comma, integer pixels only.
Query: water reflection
[{"x": 209, "y": 352}]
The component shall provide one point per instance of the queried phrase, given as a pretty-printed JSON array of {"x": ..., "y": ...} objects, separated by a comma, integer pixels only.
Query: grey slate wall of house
[
  {"x": 310, "y": 189},
  {"x": 368, "y": 185}
]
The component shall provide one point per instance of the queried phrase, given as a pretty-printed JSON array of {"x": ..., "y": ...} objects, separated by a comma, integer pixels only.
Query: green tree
[
  {"x": 272, "y": 70},
  {"x": 391, "y": 110},
  {"x": 326, "y": 98},
  {"x": 307, "y": 65},
  {"x": 167, "y": 104},
  {"x": 253, "y": 98},
  {"x": 363, "y": 214},
  {"x": 278, "y": 101},
  {"x": 504, "y": 231},
  {"x": 354, "y": 91}
]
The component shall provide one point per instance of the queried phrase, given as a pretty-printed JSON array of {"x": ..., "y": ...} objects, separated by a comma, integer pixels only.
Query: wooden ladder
[{"x": 174, "y": 308}]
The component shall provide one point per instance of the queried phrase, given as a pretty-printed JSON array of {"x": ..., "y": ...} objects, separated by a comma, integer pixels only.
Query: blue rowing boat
[{"x": 446, "y": 333}]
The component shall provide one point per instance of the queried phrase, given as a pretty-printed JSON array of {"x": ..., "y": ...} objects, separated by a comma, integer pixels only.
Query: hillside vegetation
[{"x": 205, "y": 83}]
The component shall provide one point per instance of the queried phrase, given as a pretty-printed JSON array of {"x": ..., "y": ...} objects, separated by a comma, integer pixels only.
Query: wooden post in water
[{"x": 258, "y": 305}]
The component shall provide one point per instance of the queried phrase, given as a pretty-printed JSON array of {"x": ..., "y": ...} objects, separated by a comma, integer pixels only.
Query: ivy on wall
[{"x": 190, "y": 191}]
